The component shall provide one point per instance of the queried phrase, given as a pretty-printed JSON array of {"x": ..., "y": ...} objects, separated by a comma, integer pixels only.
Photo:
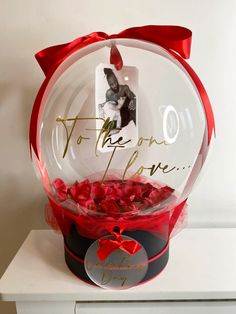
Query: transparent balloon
[{"x": 121, "y": 142}]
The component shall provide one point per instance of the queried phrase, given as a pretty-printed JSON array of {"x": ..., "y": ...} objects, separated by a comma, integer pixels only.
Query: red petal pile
[{"x": 113, "y": 197}]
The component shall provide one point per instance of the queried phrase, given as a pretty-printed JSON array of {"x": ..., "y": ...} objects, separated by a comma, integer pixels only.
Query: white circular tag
[{"x": 119, "y": 270}]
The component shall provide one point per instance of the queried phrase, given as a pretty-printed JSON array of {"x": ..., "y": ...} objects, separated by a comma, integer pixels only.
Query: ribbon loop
[{"x": 115, "y": 58}]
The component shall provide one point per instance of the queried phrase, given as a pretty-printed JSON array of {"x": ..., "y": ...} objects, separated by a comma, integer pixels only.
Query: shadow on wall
[{"x": 21, "y": 195}]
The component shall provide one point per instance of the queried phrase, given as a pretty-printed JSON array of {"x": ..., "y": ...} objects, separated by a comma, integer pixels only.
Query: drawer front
[{"x": 201, "y": 307}]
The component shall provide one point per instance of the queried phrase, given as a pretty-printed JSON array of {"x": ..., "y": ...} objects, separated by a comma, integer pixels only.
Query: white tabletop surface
[{"x": 202, "y": 265}]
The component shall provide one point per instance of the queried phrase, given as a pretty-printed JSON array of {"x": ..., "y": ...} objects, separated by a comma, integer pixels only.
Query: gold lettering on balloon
[
  {"x": 153, "y": 168},
  {"x": 150, "y": 141},
  {"x": 69, "y": 134},
  {"x": 105, "y": 138},
  {"x": 106, "y": 129}
]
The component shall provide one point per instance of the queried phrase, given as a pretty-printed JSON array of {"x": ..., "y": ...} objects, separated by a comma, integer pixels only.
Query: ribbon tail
[
  {"x": 54, "y": 55},
  {"x": 175, "y": 215},
  {"x": 130, "y": 246},
  {"x": 203, "y": 94},
  {"x": 172, "y": 37},
  {"x": 47, "y": 57}
]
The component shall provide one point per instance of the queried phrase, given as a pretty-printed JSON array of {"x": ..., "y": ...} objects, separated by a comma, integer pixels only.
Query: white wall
[{"x": 27, "y": 26}]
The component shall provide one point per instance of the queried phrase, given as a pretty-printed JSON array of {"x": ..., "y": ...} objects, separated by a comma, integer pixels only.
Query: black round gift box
[{"x": 76, "y": 246}]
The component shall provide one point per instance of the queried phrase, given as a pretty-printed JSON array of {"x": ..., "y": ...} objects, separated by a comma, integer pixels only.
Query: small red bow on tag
[{"x": 107, "y": 246}]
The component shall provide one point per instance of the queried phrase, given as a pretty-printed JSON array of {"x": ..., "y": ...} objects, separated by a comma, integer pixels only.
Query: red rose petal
[
  {"x": 98, "y": 190},
  {"x": 160, "y": 195},
  {"x": 80, "y": 191},
  {"x": 61, "y": 189},
  {"x": 59, "y": 184},
  {"x": 62, "y": 195},
  {"x": 110, "y": 206}
]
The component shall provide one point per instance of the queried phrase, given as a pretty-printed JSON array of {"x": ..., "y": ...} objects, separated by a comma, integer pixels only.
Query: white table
[{"x": 199, "y": 278}]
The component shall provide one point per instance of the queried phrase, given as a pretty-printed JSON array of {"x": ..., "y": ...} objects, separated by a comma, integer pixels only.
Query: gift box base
[{"x": 76, "y": 246}]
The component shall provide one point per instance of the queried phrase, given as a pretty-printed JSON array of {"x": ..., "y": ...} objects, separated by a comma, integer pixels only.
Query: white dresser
[{"x": 200, "y": 278}]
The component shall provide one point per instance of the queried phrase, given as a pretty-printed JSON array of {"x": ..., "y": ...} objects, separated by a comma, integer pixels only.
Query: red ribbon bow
[
  {"x": 175, "y": 39},
  {"x": 107, "y": 246}
]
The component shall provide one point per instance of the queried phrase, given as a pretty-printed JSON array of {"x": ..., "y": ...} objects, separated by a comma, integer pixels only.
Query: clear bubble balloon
[{"x": 120, "y": 142}]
